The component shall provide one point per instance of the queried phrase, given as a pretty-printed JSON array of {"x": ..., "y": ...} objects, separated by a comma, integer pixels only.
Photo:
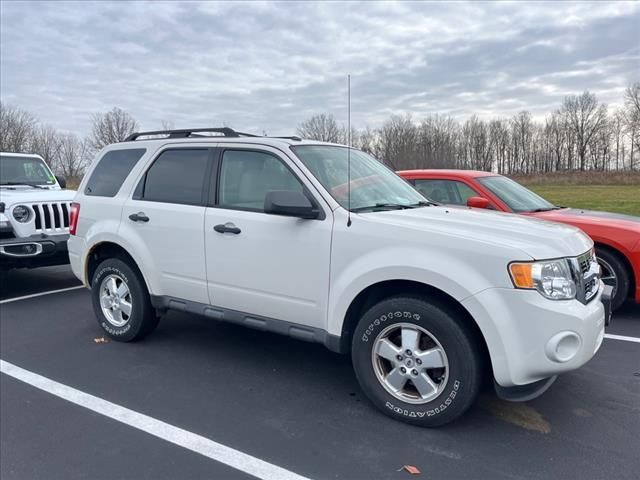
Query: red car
[{"x": 616, "y": 236}]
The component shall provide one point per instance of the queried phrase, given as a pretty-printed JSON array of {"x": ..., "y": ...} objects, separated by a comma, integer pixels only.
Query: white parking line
[
  {"x": 622, "y": 337},
  {"x": 183, "y": 438},
  {"x": 41, "y": 294}
]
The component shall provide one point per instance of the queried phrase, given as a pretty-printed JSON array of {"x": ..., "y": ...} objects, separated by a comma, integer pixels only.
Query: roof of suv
[
  {"x": 224, "y": 134},
  {"x": 271, "y": 141}
]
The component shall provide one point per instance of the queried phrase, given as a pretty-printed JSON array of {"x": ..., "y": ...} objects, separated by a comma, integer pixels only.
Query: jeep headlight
[
  {"x": 551, "y": 278},
  {"x": 21, "y": 213}
]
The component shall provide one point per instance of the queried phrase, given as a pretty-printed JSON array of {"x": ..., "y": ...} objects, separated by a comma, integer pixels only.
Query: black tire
[
  {"x": 465, "y": 368},
  {"x": 142, "y": 320},
  {"x": 609, "y": 260}
]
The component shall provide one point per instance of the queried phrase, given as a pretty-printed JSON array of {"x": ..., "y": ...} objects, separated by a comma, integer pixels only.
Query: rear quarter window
[{"x": 112, "y": 169}]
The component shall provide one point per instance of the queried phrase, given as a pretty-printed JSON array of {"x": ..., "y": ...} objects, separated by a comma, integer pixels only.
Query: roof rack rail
[
  {"x": 186, "y": 133},
  {"x": 292, "y": 137}
]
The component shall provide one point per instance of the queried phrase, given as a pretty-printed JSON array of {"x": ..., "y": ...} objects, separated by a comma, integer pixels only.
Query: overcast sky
[{"x": 268, "y": 66}]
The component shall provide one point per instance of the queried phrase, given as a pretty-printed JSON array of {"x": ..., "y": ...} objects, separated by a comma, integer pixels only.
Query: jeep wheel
[
  {"x": 121, "y": 301},
  {"x": 415, "y": 361}
]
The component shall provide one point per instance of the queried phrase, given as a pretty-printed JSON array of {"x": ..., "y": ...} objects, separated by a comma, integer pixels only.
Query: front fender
[{"x": 450, "y": 274}]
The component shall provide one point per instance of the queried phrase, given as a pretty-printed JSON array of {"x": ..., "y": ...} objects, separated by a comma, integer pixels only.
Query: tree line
[
  {"x": 582, "y": 134},
  {"x": 66, "y": 153}
]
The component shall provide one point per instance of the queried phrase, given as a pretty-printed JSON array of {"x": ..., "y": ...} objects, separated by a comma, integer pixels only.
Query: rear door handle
[
  {"x": 227, "y": 228},
  {"x": 138, "y": 217}
]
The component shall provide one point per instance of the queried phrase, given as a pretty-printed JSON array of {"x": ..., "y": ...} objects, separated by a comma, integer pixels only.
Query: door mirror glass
[
  {"x": 289, "y": 203},
  {"x": 61, "y": 181},
  {"x": 477, "y": 202}
]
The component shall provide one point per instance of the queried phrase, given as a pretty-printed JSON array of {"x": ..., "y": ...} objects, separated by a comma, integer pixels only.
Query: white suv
[
  {"x": 257, "y": 231},
  {"x": 34, "y": 213}
]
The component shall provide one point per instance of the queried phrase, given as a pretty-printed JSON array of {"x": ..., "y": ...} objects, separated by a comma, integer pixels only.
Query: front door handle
[
  {"x": 138, "y": 217},
  {"x": 227, "y": 228}
]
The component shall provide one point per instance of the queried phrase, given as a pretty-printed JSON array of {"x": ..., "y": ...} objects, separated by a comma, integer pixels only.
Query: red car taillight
[{"x": 74, "y": 214}]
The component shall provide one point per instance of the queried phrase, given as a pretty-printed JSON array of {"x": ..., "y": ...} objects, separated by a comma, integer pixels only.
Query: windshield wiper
[
  {"x": 13, "y": 184},
  {"x": 392, "y": 206},
  {"x": 547, "y": 209}
]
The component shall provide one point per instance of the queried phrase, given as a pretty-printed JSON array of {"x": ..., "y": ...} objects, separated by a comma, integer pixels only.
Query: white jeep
[
  {"x": 34, "y": 213},
  {"x": 279, "y": 234}
]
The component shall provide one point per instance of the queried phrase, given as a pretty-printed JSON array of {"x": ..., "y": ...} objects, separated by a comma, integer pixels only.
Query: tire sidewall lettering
[
  {"x": 382, "y": 319},
  {"x": 110, "y": 329},
  {"x": 410, "y": 413}
]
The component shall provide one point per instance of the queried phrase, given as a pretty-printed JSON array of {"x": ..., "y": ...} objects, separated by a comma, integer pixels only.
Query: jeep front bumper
[{"x": 34, "y": 251}]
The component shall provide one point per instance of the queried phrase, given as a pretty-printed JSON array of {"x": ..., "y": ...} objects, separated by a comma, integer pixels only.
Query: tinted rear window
[
  {"x": 177, "y": 176},
  {"x": 111, "y": 171}
]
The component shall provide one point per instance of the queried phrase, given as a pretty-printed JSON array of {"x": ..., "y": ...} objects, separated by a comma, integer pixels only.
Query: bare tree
[
  {"x": 321, "y": 127},
  {"x": 398, "y": 143},
  {"x": 368, "y": 141},
  {"x": 632, "y": 117},
  {"x": 45, "y": 142},
  {"x": 437, "y": 143},
  {"x": 111, "y": 127},
  {"x": 586, "y": 118},
  {"x": 16, "y": 129},
  {"x": 73, "y": 156}
]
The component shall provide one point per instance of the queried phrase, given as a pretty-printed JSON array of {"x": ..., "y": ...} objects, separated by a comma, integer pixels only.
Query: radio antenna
[{"x": 349, "y": 150}]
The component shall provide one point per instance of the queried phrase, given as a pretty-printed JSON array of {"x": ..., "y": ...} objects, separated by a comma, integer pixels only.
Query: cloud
[{"x": 264, "y": 66}]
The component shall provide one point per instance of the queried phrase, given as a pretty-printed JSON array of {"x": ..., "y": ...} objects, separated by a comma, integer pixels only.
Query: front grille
[
  {"x": 51, "y": 217},
  {"x": 587, "y": 277},
  {"x": 585, "y": 262}
]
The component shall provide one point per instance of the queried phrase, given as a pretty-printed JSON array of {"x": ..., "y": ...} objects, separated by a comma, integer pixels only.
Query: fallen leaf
[
  {"x": 100, "y": 340},
  {"x": 411, "y": 469}
]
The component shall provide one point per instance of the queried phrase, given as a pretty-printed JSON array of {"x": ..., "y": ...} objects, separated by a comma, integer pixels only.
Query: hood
[
  {"x": 15, "y": 195},
  {"x": 536, "y": 238},
  {"x": 592, "y": 217}
]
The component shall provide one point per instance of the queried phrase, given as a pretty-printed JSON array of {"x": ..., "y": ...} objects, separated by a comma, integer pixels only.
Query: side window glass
[
  {"x": 464, "y": 192},
  {"x": 247, "y": 176},
  {"x": 436, "y": 190},
  {"x": 177, "y": 176},
  {"x": 445, "y": 191},
  {"x": 112, "y": 169}
]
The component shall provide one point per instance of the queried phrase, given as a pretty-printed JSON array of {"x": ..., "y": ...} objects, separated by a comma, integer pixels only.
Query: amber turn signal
[{"x": 521, "y": 274}]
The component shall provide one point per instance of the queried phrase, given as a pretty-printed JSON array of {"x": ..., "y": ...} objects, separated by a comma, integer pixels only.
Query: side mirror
[
  {"x": 62, "y": 181},
  {"x": 478, "y": 202},
  {"x": 289, "y": 204}
]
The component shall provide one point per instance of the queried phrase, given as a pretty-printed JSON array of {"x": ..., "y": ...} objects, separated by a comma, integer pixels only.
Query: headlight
[
  {"x": 552, "y": 278},
  {"x": 21, "y": 214}
]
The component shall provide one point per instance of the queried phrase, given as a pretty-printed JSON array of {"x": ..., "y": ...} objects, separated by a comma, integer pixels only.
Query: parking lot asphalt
[
  {"x": 28, "y": 281},
  {"x": 290, "y": 403}
]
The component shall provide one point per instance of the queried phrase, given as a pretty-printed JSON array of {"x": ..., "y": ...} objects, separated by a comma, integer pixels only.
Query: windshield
[
  {"x": 517, "y": 197},
  {"x": 16, "y": 170},
  {"x": 373, "y": 185}
]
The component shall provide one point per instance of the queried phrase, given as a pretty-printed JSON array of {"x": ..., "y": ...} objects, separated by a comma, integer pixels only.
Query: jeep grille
[{"x": 52, "y": 217}]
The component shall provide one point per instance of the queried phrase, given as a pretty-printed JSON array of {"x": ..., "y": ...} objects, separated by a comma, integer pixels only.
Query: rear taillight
[{"x": 74, "y": 214}]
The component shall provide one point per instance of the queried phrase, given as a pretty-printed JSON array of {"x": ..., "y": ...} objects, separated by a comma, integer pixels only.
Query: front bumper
[
  {"x": 34, "y": 251},
  {"x": 531, "y": 338}
]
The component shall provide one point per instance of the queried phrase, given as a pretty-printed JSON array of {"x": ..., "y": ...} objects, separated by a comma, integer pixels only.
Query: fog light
[{"x": 563, "y": 346}]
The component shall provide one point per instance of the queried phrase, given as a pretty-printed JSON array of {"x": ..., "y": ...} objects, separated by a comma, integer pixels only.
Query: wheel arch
[
  {"x": 108, "y": 249},
  {"x": 389, "y": 288}
]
